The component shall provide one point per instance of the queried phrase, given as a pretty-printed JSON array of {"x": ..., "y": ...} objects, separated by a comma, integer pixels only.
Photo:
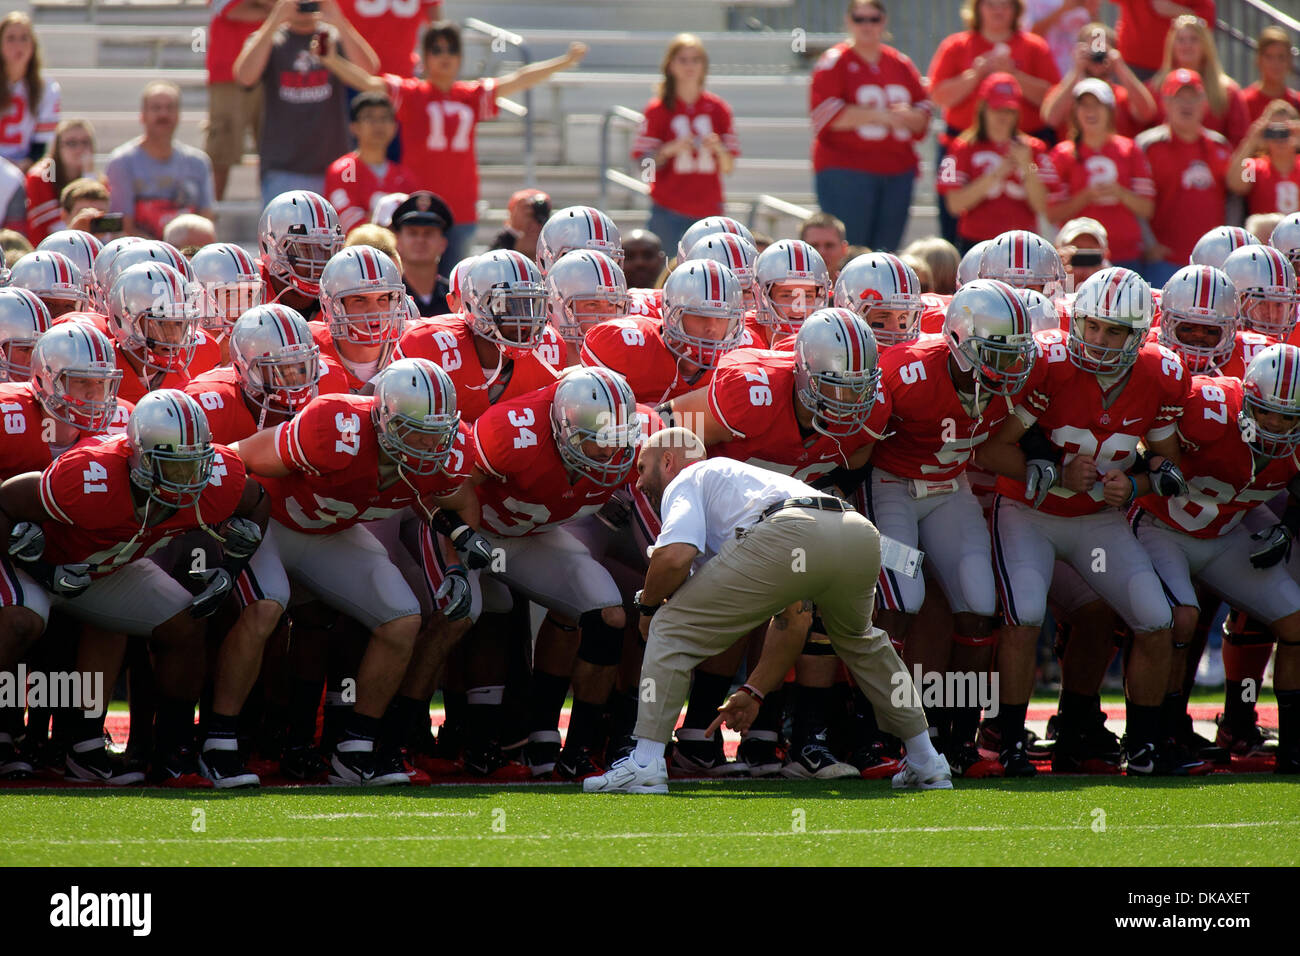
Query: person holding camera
[
  {"x": 294, "y": 55},
  {"x": 1096, "y": 56},
  {"x": 1264, "y": 167},
  {"x": 1188, "y": 165},
  {"x": 1082, "y": 246},
  {"x": 526, "y": 213}
]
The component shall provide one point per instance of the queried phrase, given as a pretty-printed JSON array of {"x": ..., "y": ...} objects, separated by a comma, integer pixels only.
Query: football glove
[
  {"x": 455, "y": 591},
  {"x": 26, "y": 541},
  {"x": 1040, "y": 476},
  {"x": 615, "y": 513},
  {"x": 1276, "y": 547},
  {"x": 66, "y": 580},
  {"x": 1167, "y": 481},
  {"x": 217, "y": 584},
  {"x": 243, "y": 536},
  {"x": 476, "y": 548}
]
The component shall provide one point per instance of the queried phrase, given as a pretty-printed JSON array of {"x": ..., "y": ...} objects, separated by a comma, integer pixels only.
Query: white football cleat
[
  {"x": 932, "y": 776},
  {"x": 628, "y": 776}
]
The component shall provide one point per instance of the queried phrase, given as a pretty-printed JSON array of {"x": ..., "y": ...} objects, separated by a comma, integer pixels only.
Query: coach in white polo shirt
[{"x": 793, "y": 543}]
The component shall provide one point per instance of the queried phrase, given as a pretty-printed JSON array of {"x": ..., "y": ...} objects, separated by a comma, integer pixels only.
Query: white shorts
[
  {"x": 17, "y": 589},
  {"x": 952, "y": 531},
  {"x": 1222, "y": 564},
  {"x": 262, "y": 580},
  {"x": 1026, "y": 544},
  {"x": 349, "y": 570},
  {"x": 134, "y": 599},
  {"x": 551, "y": 568}
]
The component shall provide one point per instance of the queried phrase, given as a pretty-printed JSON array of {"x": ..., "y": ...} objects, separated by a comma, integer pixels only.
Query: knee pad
[
  {"x": 602, "y": 643},
  {"x": 1242, "y": 630}
]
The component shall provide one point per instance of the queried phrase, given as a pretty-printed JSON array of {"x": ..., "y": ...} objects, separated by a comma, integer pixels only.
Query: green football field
[{"x": 1224, "y": 820}]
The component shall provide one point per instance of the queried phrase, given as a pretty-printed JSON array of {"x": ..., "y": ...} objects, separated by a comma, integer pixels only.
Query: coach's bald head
[{"x": 662, "y": 458}]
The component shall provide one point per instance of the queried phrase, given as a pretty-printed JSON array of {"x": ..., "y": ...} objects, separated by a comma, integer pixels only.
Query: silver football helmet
[
  {"x": 585, "y": 287},
  {"x": 1041, "y": 309},
  {"x": 154, "y": 315},
  {"x": 231, "y": 285},
  {"x": 710, "y": 292},
  {"x": 790, "y": 283},
  {"x": 75, "y": 375},
  {"x": 23, "y": 317},
  {"x": 968, "y": 270},
  {"x": 1198, "y": 317},
  {"x": 835, "y": 371},
  {"x": 1024, "y": 260},
  {"x": 577, "y": 227},
  {"x": 885, "y": 292},
  {"x": 1286, "y": 239},
  {"x": 298, "y": 234},
  {"x": 278, "y": 362},
  {"x": 100, "y": 278},
  {"x": 1116, "y": 296},
  {"x": 596, "y": 405},
  {"x": 80, "y": 247},
  {"x": 707, "y": 227},
  {"x": 363, "y": 271},
  {"x": 735, "y": 252},
  {"x": 1265, "y": 284},
  {"x": 54, "y": 279},
  {"x": 150, "y": 250},
  {"x": 989, "y": 330},
  {"x": 415, "y": 416},
  {"x": 1213, "y": 248},
  {"x": 171, "y": 446},
  {"x": 506, "y": 300},
  {"x": 1272, "y": 386}
]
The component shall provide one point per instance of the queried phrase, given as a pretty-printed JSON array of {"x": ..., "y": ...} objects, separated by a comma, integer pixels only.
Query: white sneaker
[
  {"x": 1209, "y": 673},
  {"x": 932, "y": 776},
  {"x": 628, "y": 776}
]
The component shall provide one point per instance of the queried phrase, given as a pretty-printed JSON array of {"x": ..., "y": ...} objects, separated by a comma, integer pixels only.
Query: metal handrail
[
  {"x": 608, "y": 175},
  {"x": 515, "y": 40},
  {"x": 778, "y": 205}
]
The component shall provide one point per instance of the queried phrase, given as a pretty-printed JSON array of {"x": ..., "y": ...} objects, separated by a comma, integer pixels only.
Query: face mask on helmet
[
  {"x": 1202, "y": 345},
  {"x": 1001, "y": 367},
  {"x": 15, "y": 360},
  {"x": 225, "y": 302},
  {"x": 1087, "y": 345},
  {"x": 519, "y": 316},
  {"x": 601, "y": 445},
  {"x": 841, "y": 402},
  {"x": 701, "y": 338},
  {"x": 1270, "y": 312},
  {"x": 892, "y": 326},
  {"x": 786, "y": 304},
  {"x": 1273, "y": 429},
  {"x": 85, "y": 399},
  {"x": 578, "y": 313},
  {"x": 421, "y": 448},
  {"x": 368, "y": 318},
  {"x": 285, "y": 383},
  {"x": 178, "y": 478}
]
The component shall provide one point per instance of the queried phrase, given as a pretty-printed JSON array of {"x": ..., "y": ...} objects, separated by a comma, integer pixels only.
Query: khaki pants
[{"x": 797, "y": 554}]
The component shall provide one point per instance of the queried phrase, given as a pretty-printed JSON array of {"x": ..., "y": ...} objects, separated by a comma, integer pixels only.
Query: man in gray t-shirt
[
  {"x": 153, "y": 179},
  {"x": 305, "y": 116}
]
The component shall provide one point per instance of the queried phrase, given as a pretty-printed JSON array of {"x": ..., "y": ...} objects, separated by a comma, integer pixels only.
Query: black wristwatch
[{"x": 645, "y": 610}]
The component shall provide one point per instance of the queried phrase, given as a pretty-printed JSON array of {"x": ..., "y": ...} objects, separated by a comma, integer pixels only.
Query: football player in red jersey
[
  {"x": 1265, "y": 283},
  {"x": 298, "y": 233},
  {"x": 1024, "y": 260},
  {"x": 585, "y": 288},
  {"x": 232, "y": 284},
  {"x": 577, "y": 227},
  {"x": 363, "y": 312},
  {"x": 1198, "y": 320},
  {"x": 500, "y": 346},
  {"x": 791, "y": 282},
  {"x": 540, "y": 461},
  {"x": 153, "y": 316},
  {"x": 23, "y": 317},
  {"x": 703, "y": 320},
  {"x": 737, "y": 254},
  {"x": 885, "y": 292},
  {"x": 1101, "y": 393},
  {"x": 84, "y": 524},
  {"x": 1238, "y": 440},
  {"x": 949, "y": 394},
  {"x": 804, "y": 413},
  {"x": 345, "y": 461}
]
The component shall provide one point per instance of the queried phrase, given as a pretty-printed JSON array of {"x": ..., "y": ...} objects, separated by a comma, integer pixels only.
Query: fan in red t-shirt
[
  {"x": 1190, "y": 46},
  {"x": 1102, "y": 175},
  {"x": 357, "y": 180},
  {"x": 1273, "y": 61},
  {"x": 687, "y": 141},
  {"x": 71, "y": 156},
  {"x": 1096, "y": 56},
  {"x": 995, "y": 178},
  {"x": 438, "y": 115},
  {"x": 1264, "y": 167}
]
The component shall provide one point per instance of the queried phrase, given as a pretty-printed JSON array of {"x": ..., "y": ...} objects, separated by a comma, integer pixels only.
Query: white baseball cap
[
  {"x": 1082, "y": 226},
  {"x": 1098, "y": 88}
]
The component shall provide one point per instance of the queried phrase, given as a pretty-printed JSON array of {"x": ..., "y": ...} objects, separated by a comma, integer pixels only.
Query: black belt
[{"x": 817, "y": 504}]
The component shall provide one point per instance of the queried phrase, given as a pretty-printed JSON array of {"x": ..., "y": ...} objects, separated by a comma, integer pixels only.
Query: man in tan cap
[
  {"x": 759, "y": 541},
  {"x": 1082, "y": 246}
]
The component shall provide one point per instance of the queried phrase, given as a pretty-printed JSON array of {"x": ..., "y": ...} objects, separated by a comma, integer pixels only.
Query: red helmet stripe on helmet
[
  {"x": 1019, "y": 251},
  {"x": 1286, "y": 372},
  {"x": 798, "y": 261},
  {"x": 520, "y": 264},
  {"x": 317, "y": 205},
  {"x": 597, "y": 227},
  {"x": 606, "y": 275},
  {"x": 714, "y": 276}
]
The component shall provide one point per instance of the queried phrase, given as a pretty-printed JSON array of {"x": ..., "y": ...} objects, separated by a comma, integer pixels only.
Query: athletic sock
[
  {"x": 546, "y": 700},
  {"x": 811, "y": 709},
  {"x": 1011, "y": 724},
  {"x": 174, "y": 724},
  {"x": 220, "y": 727},
  {"x": 708, "y": 691},
  {"x": 647, "y": 752},
  {"x": 584, "y": 725},
  {"x": 1144, "y": 722}
]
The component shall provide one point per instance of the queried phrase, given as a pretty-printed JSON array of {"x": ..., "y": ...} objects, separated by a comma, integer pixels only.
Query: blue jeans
[
  {"x": 276, "y": 181},
  {"x": 873, "y": 208},
  {"x": 459, "y": 237},
  {"x": 668, "y": 226}
]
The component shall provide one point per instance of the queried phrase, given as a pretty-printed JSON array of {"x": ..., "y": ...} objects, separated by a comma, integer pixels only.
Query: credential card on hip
[{"x": 899, "y": 557}]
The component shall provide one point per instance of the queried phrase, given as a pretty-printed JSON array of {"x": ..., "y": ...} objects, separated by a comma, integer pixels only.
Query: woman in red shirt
[
  {"x": 1190, "y": 46},
  {"x": 686, "y": 141},
  {"x": 995, "y": 177},
  {"x": 869, "y": 107},
  {"x": 1102, "y": 175},
  {"x": 963, "y": 60},
  {"x": 71, "y": 157},
  {"x": 1264, "y": 167}
]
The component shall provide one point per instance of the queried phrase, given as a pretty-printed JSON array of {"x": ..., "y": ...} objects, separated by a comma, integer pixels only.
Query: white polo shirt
[{"x": 705, "y": 504}]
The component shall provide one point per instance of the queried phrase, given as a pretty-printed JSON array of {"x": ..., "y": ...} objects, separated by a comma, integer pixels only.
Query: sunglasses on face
[{"x": 867, "y": 18}]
